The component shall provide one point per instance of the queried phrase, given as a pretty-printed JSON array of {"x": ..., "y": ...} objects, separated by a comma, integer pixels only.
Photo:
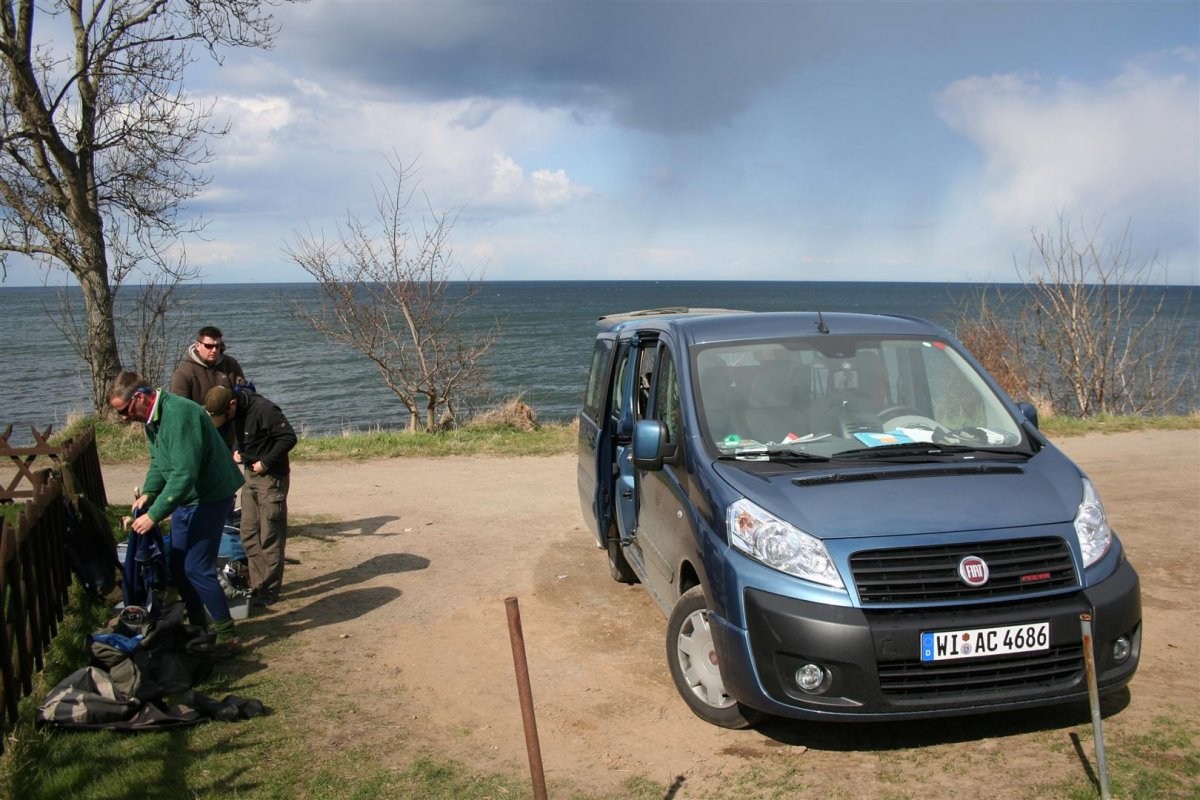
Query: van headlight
[
  {"x": 779, "y": 545},
  {"x": 1091, "y": 526}
]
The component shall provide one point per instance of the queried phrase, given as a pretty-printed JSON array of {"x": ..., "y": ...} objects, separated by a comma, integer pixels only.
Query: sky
[{"x": 712, "y": 139}]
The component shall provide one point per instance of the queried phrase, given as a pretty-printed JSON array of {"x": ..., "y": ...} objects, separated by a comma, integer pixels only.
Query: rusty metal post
[
  {"x": 517, "y": 637},
  {"x": 1089, "y": 660}
]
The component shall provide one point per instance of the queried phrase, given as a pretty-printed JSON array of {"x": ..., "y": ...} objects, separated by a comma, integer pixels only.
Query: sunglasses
[
  {"x": 209, "y": 345},
  {"x": 127, "y": 409}
]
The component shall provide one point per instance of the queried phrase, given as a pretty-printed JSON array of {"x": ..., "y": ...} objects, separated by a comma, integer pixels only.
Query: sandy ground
[{"x": 397, "y": 608}]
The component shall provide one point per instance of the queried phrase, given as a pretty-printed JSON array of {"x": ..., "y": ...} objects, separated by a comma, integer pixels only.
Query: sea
[{"x": 541, "y": 355}]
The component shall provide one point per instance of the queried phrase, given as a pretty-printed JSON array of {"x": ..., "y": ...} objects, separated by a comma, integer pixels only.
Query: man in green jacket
[{"x": 193, "y": 481}]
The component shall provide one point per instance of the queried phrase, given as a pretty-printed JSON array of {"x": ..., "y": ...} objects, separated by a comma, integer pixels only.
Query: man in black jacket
[{"x": 262, "y": 438}]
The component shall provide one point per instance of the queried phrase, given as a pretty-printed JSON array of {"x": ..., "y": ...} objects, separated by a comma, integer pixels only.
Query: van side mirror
[
  {"x": 1029, "y": 411},
  {"x": 649, "y": 441}
]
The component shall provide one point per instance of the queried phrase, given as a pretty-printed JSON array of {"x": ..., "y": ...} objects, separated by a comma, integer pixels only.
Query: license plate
[{"x": 978, "y": 642}]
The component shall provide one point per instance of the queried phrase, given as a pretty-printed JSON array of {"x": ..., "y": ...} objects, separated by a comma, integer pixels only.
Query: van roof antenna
[{"x": 821, "y": 326}]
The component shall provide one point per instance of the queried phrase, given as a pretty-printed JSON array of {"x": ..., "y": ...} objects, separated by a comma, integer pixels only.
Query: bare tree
[
  {"x": 988, "y": 334},
  {"x": 152, "y": 332},
  {"x": 157, "y": 333},
  {"x": 1097, "y": 323},
  {"x": 100, "y": 146},
  {"x": 384, "y": 292},
  {"x": 1088, "y": 332}
]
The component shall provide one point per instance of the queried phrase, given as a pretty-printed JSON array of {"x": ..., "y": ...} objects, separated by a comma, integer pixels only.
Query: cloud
[
  {"x": 327, "y": 146},
  {"x": 303, "y": 152},
  {"x": 1125, "y": 149},
  {"x": 477, "y": 114},
  {"x": 666, "y": 67},
  {"x": 507, "y": 176},
  {"x": 544, "y": 189},
  {"x": 552, "y": 189}
]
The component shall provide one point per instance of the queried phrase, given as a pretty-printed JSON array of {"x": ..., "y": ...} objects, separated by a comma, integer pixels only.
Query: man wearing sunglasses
[
  {"x": 192, "y": 480},
  {"x": 204, "y": 366}
]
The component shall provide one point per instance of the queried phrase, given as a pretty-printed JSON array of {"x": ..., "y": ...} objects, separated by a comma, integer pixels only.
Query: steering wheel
[{"x": 910, "y": 416}]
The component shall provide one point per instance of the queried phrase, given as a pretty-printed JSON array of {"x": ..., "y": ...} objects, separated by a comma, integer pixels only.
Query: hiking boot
[
  {"x": 261, "y": 599},
  {"x": 228, "y": 647}
]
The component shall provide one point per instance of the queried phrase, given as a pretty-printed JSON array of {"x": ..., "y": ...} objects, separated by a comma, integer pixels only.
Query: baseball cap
[{"x": 216, "y": 403}]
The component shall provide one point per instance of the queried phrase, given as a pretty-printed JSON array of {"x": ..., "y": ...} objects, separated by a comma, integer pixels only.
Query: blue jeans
[{"x": 195, "y": 539}]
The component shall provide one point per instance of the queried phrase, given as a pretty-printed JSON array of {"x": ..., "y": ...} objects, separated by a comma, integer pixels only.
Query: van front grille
[
  {"x": 1017, "y": 674},
  {"x": 930, "y": 574}
]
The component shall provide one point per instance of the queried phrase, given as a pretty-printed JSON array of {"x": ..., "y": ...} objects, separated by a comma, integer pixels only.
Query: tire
[
  {"x": 618, "y": 567},
  {"x": 692, "y": 660}
]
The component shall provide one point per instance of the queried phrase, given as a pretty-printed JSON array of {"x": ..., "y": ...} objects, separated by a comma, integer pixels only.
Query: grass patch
[
  {"x": 116, "y": 442},
  {"x": 119, "y": 444},
  {"x": 126, "y": 443},
  {"x": 1104, "y": 423},
  {"x": 1161, "y": 764},
  {"x": 474, "y": 440},
  {"x": 10, "y": 511}
]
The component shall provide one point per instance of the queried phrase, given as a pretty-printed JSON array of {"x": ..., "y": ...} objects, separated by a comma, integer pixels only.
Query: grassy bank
[{"x": 122, "y": 443}]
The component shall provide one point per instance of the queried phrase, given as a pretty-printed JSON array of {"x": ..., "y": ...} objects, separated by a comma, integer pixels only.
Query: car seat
[
  {"x": 860, "y": 394},
  {"x": 721, "y": 403},
  {"x": 773, "y": 407}
]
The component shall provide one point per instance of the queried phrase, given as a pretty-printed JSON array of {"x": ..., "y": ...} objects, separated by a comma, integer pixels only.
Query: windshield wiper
[
  {"x": 910, "y": 449},
  {"x": 772, "y": 454},
  {"x": 788, "y": 453}
]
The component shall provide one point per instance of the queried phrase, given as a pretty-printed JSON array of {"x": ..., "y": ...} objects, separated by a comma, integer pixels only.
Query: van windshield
[{"x": 836, "y": 394}]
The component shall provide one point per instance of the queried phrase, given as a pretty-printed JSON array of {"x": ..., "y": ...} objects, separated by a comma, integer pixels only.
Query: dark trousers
[
  {"x": 264, "y": 530},
  {"x": 195, "y": 541}
]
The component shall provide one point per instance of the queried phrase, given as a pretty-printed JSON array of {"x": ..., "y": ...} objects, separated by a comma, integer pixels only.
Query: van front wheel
[{"x": 693, "y": 662}]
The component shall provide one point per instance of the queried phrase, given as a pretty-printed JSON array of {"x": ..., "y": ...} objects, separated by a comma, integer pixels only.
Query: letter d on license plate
[{"x": 976, "y": 642}]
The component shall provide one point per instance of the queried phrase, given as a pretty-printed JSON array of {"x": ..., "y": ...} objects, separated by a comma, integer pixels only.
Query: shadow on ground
[
  {"x": 373, "y": 567},
  {"x": 328, "y": 599},
  {"x": 332, "y": 531}
]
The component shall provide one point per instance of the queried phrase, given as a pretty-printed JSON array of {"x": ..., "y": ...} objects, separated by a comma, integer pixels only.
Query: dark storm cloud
[{"x": 661, "y": 66}]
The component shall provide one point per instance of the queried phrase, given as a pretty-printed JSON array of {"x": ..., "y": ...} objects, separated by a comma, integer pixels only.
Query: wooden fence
[{"x": 34, "y": 576}]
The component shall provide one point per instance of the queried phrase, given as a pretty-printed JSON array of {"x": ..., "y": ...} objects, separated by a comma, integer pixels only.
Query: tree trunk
[{"x": 101, "y": 344}]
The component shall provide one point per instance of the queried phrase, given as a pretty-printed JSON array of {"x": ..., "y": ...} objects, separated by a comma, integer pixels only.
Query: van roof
[
  {"x": 715, "y": 324},
  {"x": 609, "y": 322}
]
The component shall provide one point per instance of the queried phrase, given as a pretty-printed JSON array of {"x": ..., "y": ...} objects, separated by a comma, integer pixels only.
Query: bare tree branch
[
  {"x": 385, "y": 293},
  {"x": 1089, "y": 333},
  {"x": 100, "y": 146}
]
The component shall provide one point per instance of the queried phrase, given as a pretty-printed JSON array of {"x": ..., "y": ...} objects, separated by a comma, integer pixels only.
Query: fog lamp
[
  {"x": 810, "y": 677},
  {"x": 1122, "y": 647}
]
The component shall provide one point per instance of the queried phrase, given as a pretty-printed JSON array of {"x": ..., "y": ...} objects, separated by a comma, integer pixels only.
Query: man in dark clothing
[
  {"x": 204, "y": 366},
  {"x": 262, "y": 439}
]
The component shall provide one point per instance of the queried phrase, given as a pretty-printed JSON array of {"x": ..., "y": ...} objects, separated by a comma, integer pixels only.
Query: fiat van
[{"x": 843, "y": 517}]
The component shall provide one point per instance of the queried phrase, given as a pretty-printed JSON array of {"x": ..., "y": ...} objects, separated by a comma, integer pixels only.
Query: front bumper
[{"x": 873, "y": 657}]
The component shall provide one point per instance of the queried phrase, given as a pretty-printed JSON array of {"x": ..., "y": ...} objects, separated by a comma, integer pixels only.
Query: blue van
[{"x": 843, "y": 517}]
